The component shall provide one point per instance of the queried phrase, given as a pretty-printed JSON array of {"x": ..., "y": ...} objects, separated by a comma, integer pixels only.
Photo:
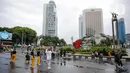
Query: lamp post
[{"x": 72, "y": 41}]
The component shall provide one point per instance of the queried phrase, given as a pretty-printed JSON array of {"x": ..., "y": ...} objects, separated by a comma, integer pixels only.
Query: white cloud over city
[{"x": 29, "y": 13}]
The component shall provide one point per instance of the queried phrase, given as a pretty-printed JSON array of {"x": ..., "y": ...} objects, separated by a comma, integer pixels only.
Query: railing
[{"x": 79, "y": 56}]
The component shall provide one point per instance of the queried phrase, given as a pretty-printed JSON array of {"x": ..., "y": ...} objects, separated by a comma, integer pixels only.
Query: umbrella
[{"x": 19, "y": 45}]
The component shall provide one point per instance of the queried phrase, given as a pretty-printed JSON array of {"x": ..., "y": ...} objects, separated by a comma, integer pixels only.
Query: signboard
[{"x": 5, "y": 36}]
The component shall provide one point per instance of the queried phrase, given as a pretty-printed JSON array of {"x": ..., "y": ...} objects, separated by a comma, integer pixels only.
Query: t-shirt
[
  {"x": 23, "y": 46},
  {"x": 48, "y": 54}
]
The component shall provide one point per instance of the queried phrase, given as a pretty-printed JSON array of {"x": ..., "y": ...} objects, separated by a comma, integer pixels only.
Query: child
[{"x": 27, "y": 57}]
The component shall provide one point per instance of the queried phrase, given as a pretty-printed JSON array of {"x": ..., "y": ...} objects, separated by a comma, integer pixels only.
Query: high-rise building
[
  {"x": 92, "y": 21},
  {"x": 127, "y": 37},
  {"x": 49, "y": 19},
  {"x": 81, "y": 27},
  {"x": 121, "y": 30}
]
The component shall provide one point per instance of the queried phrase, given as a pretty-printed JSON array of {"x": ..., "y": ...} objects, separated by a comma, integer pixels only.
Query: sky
[{"x": 29, "y": 13}]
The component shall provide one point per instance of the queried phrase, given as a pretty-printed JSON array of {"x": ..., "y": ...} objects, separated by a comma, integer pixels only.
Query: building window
[{"x": 51, "y": 31}]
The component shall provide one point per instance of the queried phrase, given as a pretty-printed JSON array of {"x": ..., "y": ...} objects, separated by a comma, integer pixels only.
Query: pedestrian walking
[
  {"x": 38, "y": 58},
  {"x": 27, "y": 58},
  {"x": 61, "y": 56},
  {"x": 42, "y": 56},
  {"x": 100, "y": 58},
  {"x": 64, "y": 56},
  {"x": 93, "y": 56},
  {"x": 28, "y": 48},
  {"x": 13, "y": 55},
  {"x": 22, "y": 47},
  {"x": 118, "y": 61},
  {"x": 64, "y": 53},
  {"x": 49, "y": 57},
  {"x": 32, "y": 59},
  {"x": 96, "y": 56}
]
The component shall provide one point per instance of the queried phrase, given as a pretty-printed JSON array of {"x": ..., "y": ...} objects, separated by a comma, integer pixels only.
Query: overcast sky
[{"x": 29, "y": 13}]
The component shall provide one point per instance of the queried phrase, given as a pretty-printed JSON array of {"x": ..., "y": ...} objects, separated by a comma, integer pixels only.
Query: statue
[{"x": 114, "y": 15}]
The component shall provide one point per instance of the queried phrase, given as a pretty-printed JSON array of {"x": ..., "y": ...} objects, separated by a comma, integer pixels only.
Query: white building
[
  {"x": 81, "y": 27},
  {"x": 97, "y": 38},
  {"x": 49, "y": 19},
  {"x": 92, "y": 21}
]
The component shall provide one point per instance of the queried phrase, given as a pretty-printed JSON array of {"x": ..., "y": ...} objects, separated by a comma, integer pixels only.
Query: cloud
[{"x": 29, "y": 13}]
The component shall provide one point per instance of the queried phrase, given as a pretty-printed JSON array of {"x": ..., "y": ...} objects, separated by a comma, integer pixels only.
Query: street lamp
[{"x": 72, "y": 39}]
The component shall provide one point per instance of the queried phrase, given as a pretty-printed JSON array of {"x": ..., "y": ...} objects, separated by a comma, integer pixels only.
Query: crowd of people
[
  {"x": 50, "y": 54},
  {"x": 31, "y": 57},
  {"x": 117, "y": 55}
]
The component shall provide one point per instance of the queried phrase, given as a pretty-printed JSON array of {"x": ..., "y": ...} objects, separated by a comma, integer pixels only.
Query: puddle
[
  {"x": 5, "y": 64},
  {"x": 18, "y": 67}
]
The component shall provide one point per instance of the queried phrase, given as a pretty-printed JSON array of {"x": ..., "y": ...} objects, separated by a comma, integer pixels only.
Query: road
[{"x": 69, "y": 67}]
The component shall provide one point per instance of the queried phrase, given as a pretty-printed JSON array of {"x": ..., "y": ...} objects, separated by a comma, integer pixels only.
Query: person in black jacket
[
  {"x": 61, "y": 52},
  {"x": 61, "y": 56},
  {"x": 118, "y": 57},
  {"x": 64, "y": 53},
  {"x": 32, "y": 52},
  {"x": 27, "y": 56}
]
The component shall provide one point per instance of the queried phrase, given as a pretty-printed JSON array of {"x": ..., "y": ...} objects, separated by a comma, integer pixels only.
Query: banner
[{"x": 5, "y": 36}]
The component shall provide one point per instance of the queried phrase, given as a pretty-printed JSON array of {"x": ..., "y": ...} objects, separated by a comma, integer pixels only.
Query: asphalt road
[{"x": 69, "y": 67}]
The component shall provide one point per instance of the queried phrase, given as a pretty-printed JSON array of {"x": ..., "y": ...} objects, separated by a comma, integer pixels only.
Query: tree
[
  {"x": 55, "y": 41},
  {"x": 108, "y": 42},
  {"x": 29, "y": 35},
  {"x": 103, "y": 42},
  {"x": 62, "y": 42},
  {"x": 52, "y": 41},
  {"x": 7, "y": 29}
]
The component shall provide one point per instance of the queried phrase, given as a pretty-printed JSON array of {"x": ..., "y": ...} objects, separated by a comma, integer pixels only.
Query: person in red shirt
[{"x": 22, "y": 48}]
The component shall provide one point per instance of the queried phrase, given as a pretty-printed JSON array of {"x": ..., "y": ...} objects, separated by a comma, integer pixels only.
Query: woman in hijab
[{"x": 32, "y": 59}]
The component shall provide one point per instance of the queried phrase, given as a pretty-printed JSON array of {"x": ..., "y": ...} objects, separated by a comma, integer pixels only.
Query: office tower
[
  {"x": 81, "y": 27},
  {"x": 121, "y": 30},
  {"x": 92, "y": 21},
  {"x": 49, "y": 19}
]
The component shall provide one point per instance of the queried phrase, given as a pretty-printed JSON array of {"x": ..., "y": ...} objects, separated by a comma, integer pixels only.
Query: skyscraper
[
  {"x": 92, "y": 21},
  {"x": 121, "y": 30},
  {"x": 81, "y": 27},
  {"x": 49, "y": 19},
  {"x": 127, "y": 37}
]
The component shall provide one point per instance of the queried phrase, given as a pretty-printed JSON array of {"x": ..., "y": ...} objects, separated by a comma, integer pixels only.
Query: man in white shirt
[{"x": 48, "y": 54}]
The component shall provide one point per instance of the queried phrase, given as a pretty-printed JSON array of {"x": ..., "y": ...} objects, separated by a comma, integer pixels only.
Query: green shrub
[
  {"x": 68, "y": 49},
  {"x": 99, "y": 48}
]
